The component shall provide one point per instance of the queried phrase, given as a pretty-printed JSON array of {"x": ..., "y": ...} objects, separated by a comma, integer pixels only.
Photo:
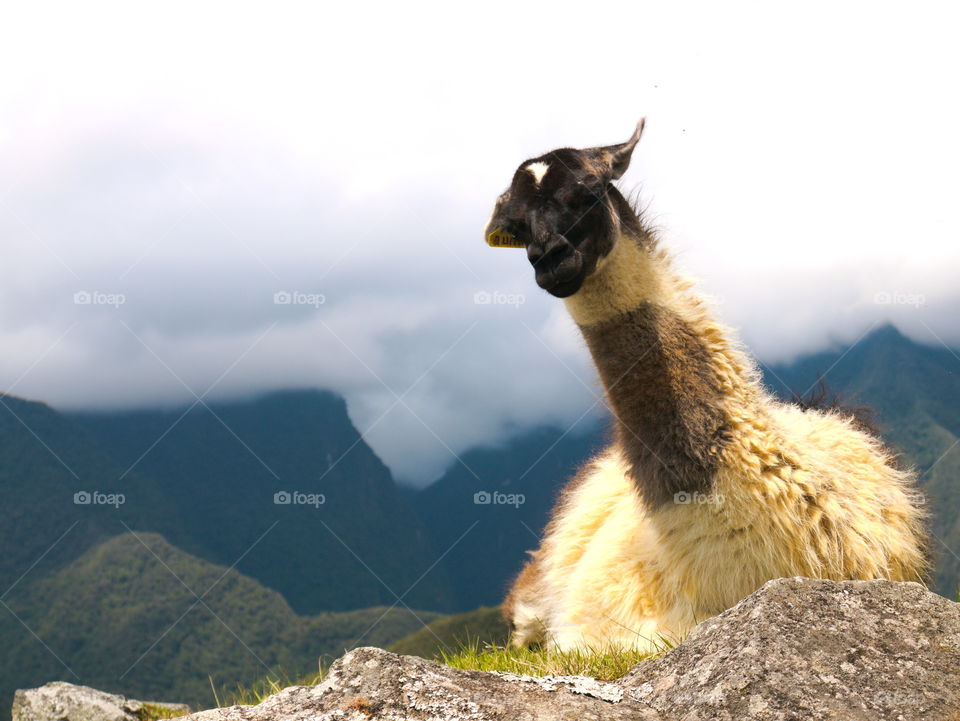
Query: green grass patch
[
  {"x": 453, "y": 633},
  {"x": 603, "y": 664},
  {"x": 258, "y": 691},
  {"x": 155, "y": 712}
]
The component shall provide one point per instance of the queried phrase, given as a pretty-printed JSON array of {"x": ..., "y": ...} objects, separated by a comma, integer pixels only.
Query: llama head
[{"x": 563, "y": 208}]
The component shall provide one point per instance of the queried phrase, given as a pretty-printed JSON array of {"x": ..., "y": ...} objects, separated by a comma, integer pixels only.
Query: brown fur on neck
[
  {"x": 666, "y": 380},
  {"x": 667, "y": 399}
]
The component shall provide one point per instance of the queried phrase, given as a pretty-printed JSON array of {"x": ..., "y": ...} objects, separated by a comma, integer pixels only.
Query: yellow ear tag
[{"x": 502, "y": 239}]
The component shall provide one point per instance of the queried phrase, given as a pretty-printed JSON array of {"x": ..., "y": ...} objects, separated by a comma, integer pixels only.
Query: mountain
[
  {"x": 125, "y": 617},
  {"x": 47, "y": 464},
  {"x": 198, "y": 486},
  {"x": 76, "y": 585},
  {"x": 345, "y": 539},
  {"x": 481, "y": 627},
  {"x": 914, "y": 390},
  {"x": 488, "y": 509}
]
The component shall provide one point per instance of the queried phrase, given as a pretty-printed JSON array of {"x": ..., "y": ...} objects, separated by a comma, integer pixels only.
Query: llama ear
[{"x": 615, "y": 159}]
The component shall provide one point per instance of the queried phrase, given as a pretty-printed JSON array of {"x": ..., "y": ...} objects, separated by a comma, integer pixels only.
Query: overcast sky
[{"x": 178, "y": 168}]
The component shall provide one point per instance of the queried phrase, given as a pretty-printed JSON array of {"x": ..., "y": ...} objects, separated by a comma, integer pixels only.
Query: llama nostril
[
  {"x": 555, "y": 262},
  {"x": 556, "y": 247}
]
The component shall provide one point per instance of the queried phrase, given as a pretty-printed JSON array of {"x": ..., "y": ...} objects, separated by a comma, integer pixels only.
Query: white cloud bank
[{"x": 196, "y": 160}]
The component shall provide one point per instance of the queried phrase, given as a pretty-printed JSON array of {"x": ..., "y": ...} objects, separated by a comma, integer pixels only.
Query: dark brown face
[{"x": 563, "y": 208}]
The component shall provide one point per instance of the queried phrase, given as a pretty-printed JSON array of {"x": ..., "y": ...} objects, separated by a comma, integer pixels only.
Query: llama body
[{"x": 712, "y": 486}]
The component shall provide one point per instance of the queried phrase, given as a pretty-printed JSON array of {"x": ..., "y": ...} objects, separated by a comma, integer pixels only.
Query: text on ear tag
[{"x": 502, "y": 239}]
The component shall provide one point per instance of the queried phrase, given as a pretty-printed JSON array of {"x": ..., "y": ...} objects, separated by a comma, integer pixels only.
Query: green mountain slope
[
  {"x": 125, "y": 617},
  {"x": 221, "y": 468},
  {"x": 44, "y": 461},
  {"x": 70, "y": 592},
  {"x": 483, "y": 626}
]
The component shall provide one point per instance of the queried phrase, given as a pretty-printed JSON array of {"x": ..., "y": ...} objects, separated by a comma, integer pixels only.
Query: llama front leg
[
  {"x": 595, "y": 581},
  {"x": 524, "y": 607}
]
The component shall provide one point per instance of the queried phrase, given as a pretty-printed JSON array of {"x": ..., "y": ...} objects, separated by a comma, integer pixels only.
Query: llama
[{"x": 710, "y": 486}]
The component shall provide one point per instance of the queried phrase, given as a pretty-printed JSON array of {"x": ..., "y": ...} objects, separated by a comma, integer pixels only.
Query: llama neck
[{"x": 671, "y": 378}]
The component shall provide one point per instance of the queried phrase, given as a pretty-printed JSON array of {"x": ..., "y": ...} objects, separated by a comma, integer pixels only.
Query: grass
[
  {"x": 603, "y": 664},
  {"x": 259, "y": 690},
  {"x": 155, "y": 712}
]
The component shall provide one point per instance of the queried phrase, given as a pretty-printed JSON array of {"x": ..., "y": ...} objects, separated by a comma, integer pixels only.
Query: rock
[
  {"x": 59, "y": 701},
  {"x": 809, "y": 649},
  {"x": 369, "y": 683},
  {"x": 798, "y": 649}
]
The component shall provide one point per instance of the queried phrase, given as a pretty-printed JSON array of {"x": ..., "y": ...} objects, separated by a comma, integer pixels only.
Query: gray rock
[
  {"x": 369, "y": 683},
  {"x": 809, "y": 649},
  {"x": 796, "y": 650},
  {"x": 59, "y": 701}
]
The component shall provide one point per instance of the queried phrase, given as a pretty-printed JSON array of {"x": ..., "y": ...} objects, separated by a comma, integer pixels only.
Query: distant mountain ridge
[
  {"x": 226, "y": 467},
  {"x": 45, "y": 460},
  {"x": 79, "y": 597}
]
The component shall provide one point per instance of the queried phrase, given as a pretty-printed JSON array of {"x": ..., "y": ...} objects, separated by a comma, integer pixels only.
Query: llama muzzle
[{"x": 556, "y": 263}]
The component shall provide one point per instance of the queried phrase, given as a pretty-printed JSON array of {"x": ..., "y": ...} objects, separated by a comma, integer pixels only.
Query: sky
[{"x": 212, "y": 201}]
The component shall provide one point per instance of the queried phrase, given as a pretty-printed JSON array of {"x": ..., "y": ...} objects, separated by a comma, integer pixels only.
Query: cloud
[{"x": 199, "y": 168}]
